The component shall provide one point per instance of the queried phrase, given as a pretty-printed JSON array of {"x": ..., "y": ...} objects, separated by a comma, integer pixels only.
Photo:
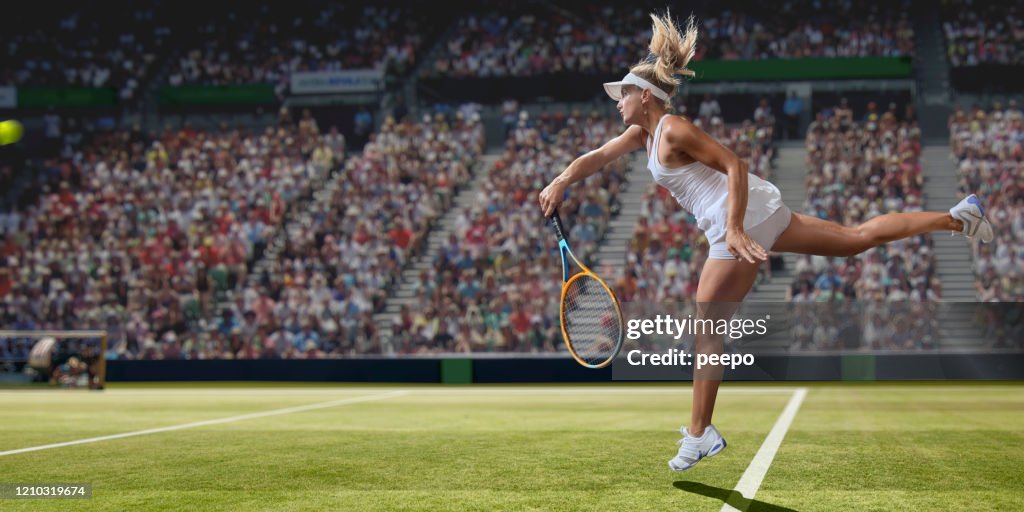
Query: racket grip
[{"x": 556, "y": 222}]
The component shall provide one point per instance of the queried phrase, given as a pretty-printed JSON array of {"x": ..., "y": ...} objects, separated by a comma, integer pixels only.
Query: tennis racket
[{"x": 591, "y": 318}]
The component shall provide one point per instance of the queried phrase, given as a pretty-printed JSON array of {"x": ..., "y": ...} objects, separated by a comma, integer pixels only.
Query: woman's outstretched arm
[{"x": 551, "y": 196}]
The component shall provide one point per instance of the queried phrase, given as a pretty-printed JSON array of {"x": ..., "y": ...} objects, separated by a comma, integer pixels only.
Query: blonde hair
[{"x": 671, "y": 51}]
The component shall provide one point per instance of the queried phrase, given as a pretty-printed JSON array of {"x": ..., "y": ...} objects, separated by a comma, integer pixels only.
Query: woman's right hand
[{"x": 552, "y": 196}]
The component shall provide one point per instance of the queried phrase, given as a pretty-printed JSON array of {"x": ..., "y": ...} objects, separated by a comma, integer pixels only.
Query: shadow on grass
[{"x": 729, "y": 496}]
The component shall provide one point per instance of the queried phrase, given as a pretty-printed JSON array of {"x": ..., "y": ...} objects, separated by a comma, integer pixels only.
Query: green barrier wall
[
  {"x": 66, "y": 97},
  {"x": 218, "y": 95}
]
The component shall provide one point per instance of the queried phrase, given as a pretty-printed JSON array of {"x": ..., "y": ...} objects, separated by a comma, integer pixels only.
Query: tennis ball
[{"x": 10, "y": 132}]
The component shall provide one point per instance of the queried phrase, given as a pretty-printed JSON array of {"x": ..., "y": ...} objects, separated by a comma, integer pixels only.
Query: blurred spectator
[
  {"x": 792, "y": 109},
  {"x": 363, "y": 123}
]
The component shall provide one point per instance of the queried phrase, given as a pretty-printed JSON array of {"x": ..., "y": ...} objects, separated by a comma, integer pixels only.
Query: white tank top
[{"x": 704, "y": 192}]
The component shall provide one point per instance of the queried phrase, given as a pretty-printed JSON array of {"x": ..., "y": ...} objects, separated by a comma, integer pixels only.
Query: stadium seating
[
  {"x": 988, "y": 146},
  {"x": 858, "y": 170},
  {"x": 145, "y": 238},
  {"x": 85, "y": 47},
  {"x": 265, "y": 42},
  {"x": 345, "y": 251},
  {"x": 982, "y": 41},
  {"x": 156, "y": 237},
  {"x": 495, "y": 283},
  {"x": 608, "y": 38},
  {"x": 983, "y": 32}
]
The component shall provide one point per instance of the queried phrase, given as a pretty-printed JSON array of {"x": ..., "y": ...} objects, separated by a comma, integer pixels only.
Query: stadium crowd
[
  {"x": 143, "y": 238},
  {"x": 805, "y": 28},
  {"x": 989, "y": 148},
  {"x": 606, "y": 38},
  {"x": 858, "y": 169},
  {"x": 123, "y": 45},
  {"x": 347, "y": 249},
  {"x": 154, "y": 238},
  {"x": 983, "y": 32},
  {"x": 85, "y": 48},
  {"x": 265, "y": 42},
  {"x": 892, "y": 325},
  {"x": 494, "y": 285}
]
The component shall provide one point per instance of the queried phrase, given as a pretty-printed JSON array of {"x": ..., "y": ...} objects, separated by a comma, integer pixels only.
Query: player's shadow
[{"x": 729, "y": 496}]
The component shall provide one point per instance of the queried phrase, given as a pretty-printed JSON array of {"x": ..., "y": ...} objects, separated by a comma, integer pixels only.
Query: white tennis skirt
[{"x": 765, "y": 233}]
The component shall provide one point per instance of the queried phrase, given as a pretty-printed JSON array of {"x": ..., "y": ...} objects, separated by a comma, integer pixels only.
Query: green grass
[{"x": 851, "y": 447}]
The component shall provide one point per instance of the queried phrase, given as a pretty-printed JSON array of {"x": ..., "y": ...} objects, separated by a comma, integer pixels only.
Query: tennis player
[{"x": 741, "y": 215}]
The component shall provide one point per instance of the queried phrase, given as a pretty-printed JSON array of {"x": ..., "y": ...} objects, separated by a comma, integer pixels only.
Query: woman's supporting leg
[
  {"x": 811, "y": 235},
  {"x": 723, "y": 285}
]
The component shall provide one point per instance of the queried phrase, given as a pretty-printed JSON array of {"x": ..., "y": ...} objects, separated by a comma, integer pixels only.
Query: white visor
[{"x": 614, "y": 89}]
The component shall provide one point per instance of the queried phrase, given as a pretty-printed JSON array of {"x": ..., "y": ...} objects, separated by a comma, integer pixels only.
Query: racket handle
[{"x": 556, "y": 222}]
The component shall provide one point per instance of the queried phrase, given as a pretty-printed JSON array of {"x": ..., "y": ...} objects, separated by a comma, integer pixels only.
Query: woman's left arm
[{"x": 682, "y": 135}]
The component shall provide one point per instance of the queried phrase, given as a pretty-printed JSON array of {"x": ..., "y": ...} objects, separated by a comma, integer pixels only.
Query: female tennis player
[{"x": 741, "y": 215}]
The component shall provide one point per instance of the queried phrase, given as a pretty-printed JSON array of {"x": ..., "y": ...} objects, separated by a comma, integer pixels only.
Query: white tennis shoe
[
  {"x": 970, "y": 212},
  {"x": 693, "y": 449}
]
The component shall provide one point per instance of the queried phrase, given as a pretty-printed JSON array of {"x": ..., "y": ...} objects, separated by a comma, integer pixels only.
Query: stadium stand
[
  {"x": 988, "y": 146},
  {"x": 85, "y": 47},
  {"x": 172, "y": 272},
  {"x": 344, "y": 252},
  {"x": 983, "y": 40},
  {"x": 265, "y": 42},
  {"x": 143, "y": 238},
  {"x": 606, "y": 38},
  {"x": 492, "y": 286},
  {"x": 858, "y": 170},
  {"x": 983, "y": 32}
]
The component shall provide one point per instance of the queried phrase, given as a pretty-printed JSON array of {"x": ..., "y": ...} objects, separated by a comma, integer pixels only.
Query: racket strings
[{"x": 592, "y": 322}]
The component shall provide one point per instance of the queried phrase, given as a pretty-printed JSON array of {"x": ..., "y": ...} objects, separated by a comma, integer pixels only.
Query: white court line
[
  {"x": 264, "y": 414},
  {"x": 758, "y": 468}
]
